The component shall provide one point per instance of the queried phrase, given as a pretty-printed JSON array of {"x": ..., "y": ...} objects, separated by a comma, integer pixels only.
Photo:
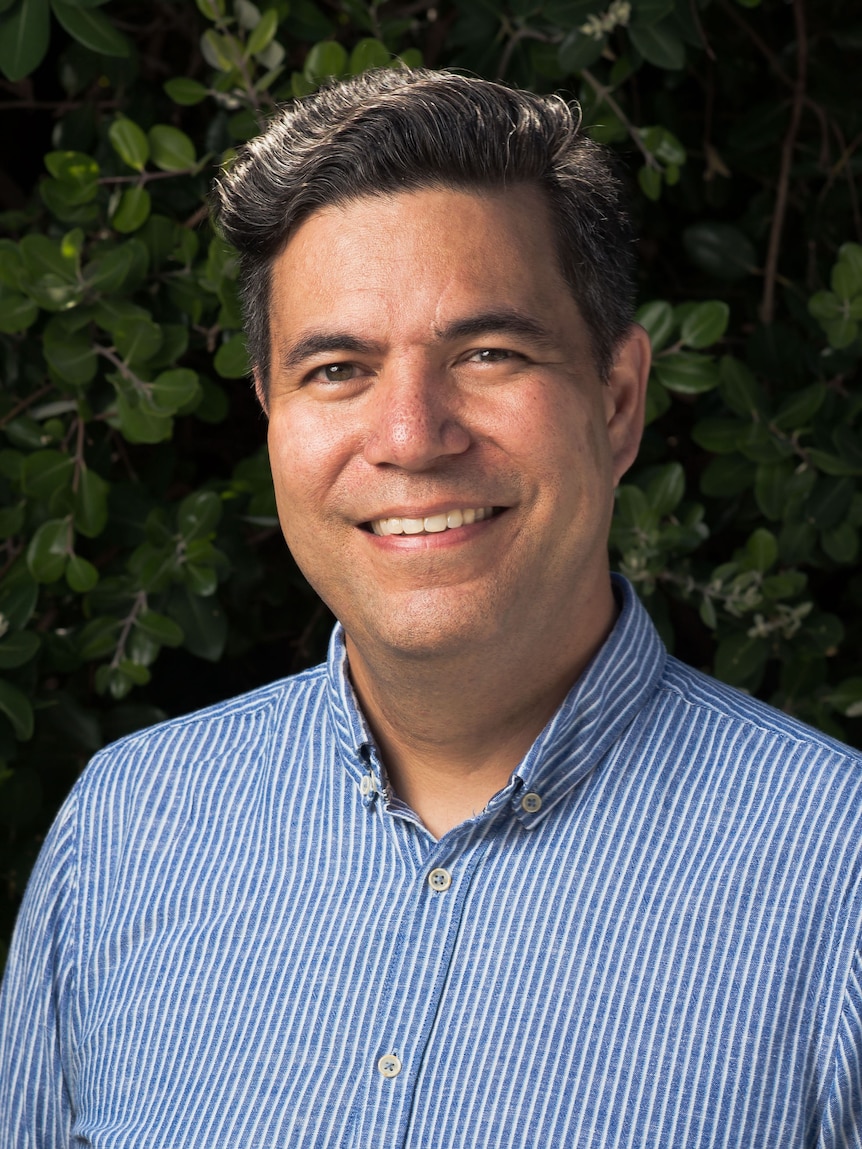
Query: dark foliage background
[{"x": 142, "y": 573}]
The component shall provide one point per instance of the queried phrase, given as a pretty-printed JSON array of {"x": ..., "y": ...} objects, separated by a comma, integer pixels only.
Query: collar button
[{"x": 531, "y": 803}]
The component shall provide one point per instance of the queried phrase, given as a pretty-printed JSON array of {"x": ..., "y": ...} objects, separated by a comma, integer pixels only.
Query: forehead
[{"x": 424, "y": 254}]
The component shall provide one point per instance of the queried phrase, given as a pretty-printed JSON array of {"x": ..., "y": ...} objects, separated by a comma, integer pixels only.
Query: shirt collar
[{"x": 606, "y": 698}]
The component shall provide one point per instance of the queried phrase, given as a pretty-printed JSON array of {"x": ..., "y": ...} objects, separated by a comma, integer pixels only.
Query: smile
[{"x": 431, "y": 524}]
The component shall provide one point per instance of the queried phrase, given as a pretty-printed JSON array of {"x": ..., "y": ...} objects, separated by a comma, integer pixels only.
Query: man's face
[{"x": 443, "y": 451}]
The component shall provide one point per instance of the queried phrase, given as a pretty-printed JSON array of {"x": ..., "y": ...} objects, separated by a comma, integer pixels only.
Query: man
[{"x": 502, "y": 873}]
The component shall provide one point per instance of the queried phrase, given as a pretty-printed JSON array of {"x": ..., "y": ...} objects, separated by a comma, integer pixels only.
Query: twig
[
  {"x": 138, "y": 606},
  {"x": 767, "y": 306},
  {"x": 145, "y": 177},
  {"x": 514, "y": 41},
  {"x": 604, "y": 94},
  {"x": 695, "y": 16},
  {"x": 25, "y": 403}
]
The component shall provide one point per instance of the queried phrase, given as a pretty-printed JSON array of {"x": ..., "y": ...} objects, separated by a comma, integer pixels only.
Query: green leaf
[
  {"x": 41, "y": 256},
  {"x": 263, "y": 33},
  {"x": 174, "y": 389},
  {"x": 367, "y": 54},
  {"x": 762, "y": 549},
  {"x": 17, "y": 312},
  {"x": 71, "y": 355},
  {"x": 649, "y": 181},
  {"x": 137, "y": 338},
  {"x": 171, "y": 149},
  {"x": 129, "y": 142},
  {"x": 108, "y": 272},
  {"x": 720, "y": 250},
  {"x": 657, "y": 320},
  {"x": 829, "y": 501},
  {"x": 846, "y": 697},
  {"x": 633, "y": 509},
  {"x": 138, "y": 426},
  {"x": 16, "y": 706},
  {"x": 726, "y": 476},
  {"x": 185, "y": 92},
  {"x": 198, "y": 515},
  {"x": 579, "y": 51},
  {"x": 48, "y": 551},
  {"x": 841, "y": 543},
  {"x": 18, "y": 595},
  {"x": 739, "y": 660},
  {"x": 81, "y": 575},
  {"x": 231, "y": 359},
  {"x": 796, "y": 542},
  {"x": 92, "y": 28},
  {"x": 24, "y": 35},
  {"x": 825, "y": 305},
  {"x": 651, "y": 11},
  {"x": 831, "y": 464},
  {"x": 705, "y": 324},
  {"x": 132, "y": 210},
  {"x": 659, "y": 44},
  {"x": 98, "y": 638},
  {"x": 327, "y": 58},
  {"x": 841, "y": 332},
  {"x": 160, "y": 628},
  {"x": 738, "y": 386},
  {"x": 797, "y": 410},
  {"x": 665, "y": 491},
  {"x": 78, "y": 173},
  {"x": 720, "y": 436},
  {"x": 202, "y": 622},
  {"x": 771, "y": 489},
  {"x": 46, "y": 472},
  {"x": 90, "y": 511},
  {"x": 17, "y": 648},
  {"x": 657, "y": 401},
  {"x": 687, "y": 373},
  {"x": 846, "y": 279}
]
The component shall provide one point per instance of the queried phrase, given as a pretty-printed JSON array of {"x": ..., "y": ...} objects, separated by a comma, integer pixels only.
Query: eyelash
[{"x": 494, "y": 355}]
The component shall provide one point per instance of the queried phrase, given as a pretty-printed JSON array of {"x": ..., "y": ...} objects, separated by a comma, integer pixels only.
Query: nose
[{"x": 415, "y": 420}]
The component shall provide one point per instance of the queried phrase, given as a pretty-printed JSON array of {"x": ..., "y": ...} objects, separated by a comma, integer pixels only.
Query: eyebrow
[
  {"x": 505, "y": 321},
  {"x": 321, "y": 343}
]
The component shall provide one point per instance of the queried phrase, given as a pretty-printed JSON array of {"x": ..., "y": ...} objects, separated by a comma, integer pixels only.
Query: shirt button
[
  {"x": 389, "y": 1065},
  {"x": 366, "y": 785},
  {"x": 440, "y": 880},
  {"x": 531, "y": 803}
]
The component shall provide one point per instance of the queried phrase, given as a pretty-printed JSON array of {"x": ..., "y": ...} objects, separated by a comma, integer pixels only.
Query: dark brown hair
[{"x": 396, "y": 130}]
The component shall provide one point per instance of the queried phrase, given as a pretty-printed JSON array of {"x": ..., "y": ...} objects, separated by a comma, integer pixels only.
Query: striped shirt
[{"x": 235, "y": 937}]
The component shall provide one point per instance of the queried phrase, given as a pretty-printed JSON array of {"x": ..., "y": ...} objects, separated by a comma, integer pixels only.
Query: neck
[{"x": 452, "y": 726}]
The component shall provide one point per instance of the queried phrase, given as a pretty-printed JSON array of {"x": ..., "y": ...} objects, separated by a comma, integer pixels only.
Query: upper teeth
[{"x": 431, "y": 524}]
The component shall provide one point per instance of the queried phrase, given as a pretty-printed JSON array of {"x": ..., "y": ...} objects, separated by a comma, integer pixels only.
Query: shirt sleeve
[
  {"x": 35, "y": 1001},
  {"x": 842, "y": 1121}
]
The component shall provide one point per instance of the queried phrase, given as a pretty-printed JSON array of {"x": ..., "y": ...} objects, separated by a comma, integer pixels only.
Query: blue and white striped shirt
[{"x": 648, "y": 938}]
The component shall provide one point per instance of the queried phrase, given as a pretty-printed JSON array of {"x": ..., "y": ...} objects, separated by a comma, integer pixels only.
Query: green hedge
[{"x": 141, "y": 567}]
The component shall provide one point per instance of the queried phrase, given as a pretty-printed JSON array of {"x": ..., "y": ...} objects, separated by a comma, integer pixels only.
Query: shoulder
[
  {"x": 186, "y": 751},
  {"x": 709, "y": 706}
]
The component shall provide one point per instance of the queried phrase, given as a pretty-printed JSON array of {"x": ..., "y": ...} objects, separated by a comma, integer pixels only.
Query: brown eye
[{"x": 337, "y": 372}]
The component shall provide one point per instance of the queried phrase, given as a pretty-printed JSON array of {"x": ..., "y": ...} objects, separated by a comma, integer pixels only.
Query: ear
[
  {"x": 260, "y": 391},
  {"x": 626, "y": 397}
]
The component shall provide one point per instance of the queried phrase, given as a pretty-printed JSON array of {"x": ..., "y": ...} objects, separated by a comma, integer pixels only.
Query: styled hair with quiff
[{"x": 396, "y": 130}]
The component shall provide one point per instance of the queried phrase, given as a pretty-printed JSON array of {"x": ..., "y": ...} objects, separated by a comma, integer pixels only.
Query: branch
[
  {"x": 25, "y": 403},
  {"x": 515, "y": 40},
  {"x": 604, "y": 94},
  {"x": 767, "y": 306}
]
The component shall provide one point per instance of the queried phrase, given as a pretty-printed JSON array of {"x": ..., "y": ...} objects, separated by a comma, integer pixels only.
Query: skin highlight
[{"x": 428, "y": 357}]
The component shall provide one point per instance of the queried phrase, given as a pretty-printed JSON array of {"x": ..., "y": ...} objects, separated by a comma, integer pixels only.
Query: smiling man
[{"x": 502, "y": 873}]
